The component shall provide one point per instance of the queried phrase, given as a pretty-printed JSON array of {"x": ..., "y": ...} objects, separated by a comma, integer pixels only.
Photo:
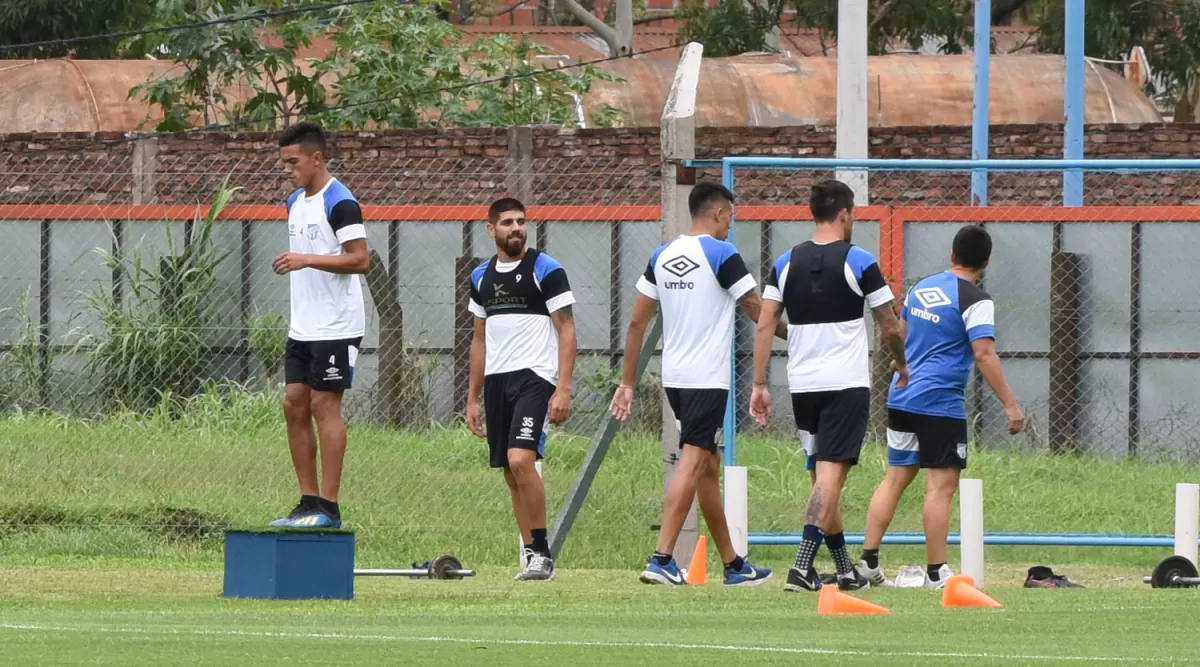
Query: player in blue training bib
[{"x": 950, "y": 325}]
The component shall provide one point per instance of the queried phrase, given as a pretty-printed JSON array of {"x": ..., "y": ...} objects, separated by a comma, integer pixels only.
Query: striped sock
[
  {"x": 837, "y": 548},
  {"x": 808, "y": 547}
]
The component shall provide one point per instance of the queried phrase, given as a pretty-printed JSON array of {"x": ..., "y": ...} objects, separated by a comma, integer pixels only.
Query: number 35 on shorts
[{"x": 526, "y": 429}]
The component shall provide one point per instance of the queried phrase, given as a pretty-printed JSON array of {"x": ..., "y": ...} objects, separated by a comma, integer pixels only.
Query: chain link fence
[
  {"x": 1092, "y": 318},
  {"x": 141, "y": 340},
  {"x": 155, "y": 332}
]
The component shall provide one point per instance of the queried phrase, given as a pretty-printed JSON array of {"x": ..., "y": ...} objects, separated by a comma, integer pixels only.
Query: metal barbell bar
[{"x": 409, "y": 573}]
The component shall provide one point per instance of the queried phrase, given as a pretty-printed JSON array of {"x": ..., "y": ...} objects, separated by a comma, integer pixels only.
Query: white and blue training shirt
[{"x": 697, "y": 281}]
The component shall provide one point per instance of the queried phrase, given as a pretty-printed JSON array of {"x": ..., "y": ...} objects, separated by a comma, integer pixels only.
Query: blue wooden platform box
[{"x": 289, "y": 565}]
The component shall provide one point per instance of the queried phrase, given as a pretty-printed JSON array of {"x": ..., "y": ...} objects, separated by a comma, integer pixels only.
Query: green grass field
[
  {"x": 110, "y": 553},
  {"x": 132, "y": 614}
]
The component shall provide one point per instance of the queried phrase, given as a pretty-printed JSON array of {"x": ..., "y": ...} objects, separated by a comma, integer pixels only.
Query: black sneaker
[
  {"x": 1044, "y": 577},
  {"x": 829, "y": 578},
  {"x": 797, "y": 581},
  {"x": 853, "y": 581}
]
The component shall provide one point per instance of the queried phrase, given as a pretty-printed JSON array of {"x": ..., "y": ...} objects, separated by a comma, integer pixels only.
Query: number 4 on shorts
[{"x": 332, "y": 359}]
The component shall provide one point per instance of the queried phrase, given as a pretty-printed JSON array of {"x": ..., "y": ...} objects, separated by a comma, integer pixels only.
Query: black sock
[
  {"x": 736, "y": 564},
  {"x": 540, "y": 546},
  {"x": 837, "y": 548},
  {"x": 932, "y": 569},
  {"x": 871, "y": 556},
  {"x": 808, "y": 548},
  {"x": 329, "y": 507},
  {"x": 662, "y": 558},
  {"x": 310, "y": 502}
]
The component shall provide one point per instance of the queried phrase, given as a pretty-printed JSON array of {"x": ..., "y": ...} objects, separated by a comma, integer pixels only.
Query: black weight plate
[
  {"x": 1173, "y": 566},
  {"x": 444, "y": 567}
]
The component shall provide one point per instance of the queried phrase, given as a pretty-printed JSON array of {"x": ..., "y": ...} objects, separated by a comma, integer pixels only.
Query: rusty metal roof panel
[
  {"x": 774, "y": 91},
  {"x": 769, "y": 90}
]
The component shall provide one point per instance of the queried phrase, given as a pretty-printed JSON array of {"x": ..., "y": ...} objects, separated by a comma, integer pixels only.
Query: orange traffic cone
[
  {"x": 697, "y": 572},
  {"x": 833, "y": 601},
  {"x": 960, "y": 591}
]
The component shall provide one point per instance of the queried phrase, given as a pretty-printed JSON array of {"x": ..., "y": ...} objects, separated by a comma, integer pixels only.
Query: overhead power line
[{"x": 225, "y": 20}]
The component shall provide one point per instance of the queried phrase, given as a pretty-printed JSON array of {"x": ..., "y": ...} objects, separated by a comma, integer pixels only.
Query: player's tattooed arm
[
  {"x": 892, "y": 333},
  {"x": 751, "y": 304}
]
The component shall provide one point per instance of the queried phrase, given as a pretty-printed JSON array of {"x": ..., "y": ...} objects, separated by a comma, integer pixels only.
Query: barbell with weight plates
[
  {"x": 1174, "y": 572},
  {"x": 442, "y": 567}
]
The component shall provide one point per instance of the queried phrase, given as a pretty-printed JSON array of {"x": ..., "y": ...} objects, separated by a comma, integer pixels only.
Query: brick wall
[{"x": 595, "y": 166}]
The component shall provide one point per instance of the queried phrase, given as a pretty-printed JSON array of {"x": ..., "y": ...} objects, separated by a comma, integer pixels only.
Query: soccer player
[
  {"x": 327, "y": 248},
  {"x": 822, "y": 285},
  {"x": 696, "y": 278},
  {"x": 950, "y": 323},
  {"x": 522, "y": 357}
]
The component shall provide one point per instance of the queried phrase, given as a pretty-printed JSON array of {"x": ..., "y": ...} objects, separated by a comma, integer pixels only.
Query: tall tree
[
  {"x": 392, "y": 65},
  {"x": 1166, "y": 29},
  {"x": 25, "y": 21},
  {"x": 732, "y": 27}
]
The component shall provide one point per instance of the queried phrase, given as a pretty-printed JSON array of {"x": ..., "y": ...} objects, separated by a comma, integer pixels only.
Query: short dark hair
[
  {"x": 972, "y": 247},
  {"x": 305, "y": 134},
  {"x": 503, "y": 205},
  {"x": 706, "y": 195},
  {"x": 829, "y": 198}
]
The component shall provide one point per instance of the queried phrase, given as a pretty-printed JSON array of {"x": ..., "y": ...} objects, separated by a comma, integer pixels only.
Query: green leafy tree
[
  {"x": 392, "y": 65},
  {"x": 733, "y": 28},
  {"x": 229, "y": 57},
  {"x": 729, "y": 28},
  {"x": 1166, "y": 29},
  {"x": 25, "y": 21}
]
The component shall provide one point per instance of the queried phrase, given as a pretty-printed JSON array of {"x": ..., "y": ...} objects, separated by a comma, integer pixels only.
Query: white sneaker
[
  {"x": 537, "y": 568},
  {"x": 944, "y": 573},
  {"x": 529, "y": 555},
  {"x": 874, "y": 575}
]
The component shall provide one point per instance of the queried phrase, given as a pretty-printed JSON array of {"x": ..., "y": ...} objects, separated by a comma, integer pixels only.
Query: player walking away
[
  {"x": 822, "y": 285},
  {"x": 522, "y": 357},
  {"x": 697, "y": 278},
  {"x": 950, "y": 321},
  {"x": 327, "y": 247}
]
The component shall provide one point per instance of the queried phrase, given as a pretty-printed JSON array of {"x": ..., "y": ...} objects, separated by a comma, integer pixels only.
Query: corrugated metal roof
[{"x": 774, "y": 91}]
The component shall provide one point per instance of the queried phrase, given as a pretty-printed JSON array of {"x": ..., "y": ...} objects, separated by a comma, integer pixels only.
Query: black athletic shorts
[
  {"x": 324, "y": 365},
  {"x": 699, "y": 415},
  {"x": 926, "y": 440},
  {"x": 515, "y": 406},
  {"x": 837, "y": 421}
]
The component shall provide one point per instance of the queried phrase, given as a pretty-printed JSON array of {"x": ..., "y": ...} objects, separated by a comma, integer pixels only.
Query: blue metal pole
[
  {"x": 979, "y": 121},
  {"x": 897, "y": 164},
  {"x": 730, "y": 427},
  {"x": 1073, "y": 99},
  {"x": 997, "y": 539}
]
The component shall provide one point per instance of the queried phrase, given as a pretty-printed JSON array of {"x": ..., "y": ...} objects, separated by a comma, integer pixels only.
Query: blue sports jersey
[{"x": 944, "y": 315}]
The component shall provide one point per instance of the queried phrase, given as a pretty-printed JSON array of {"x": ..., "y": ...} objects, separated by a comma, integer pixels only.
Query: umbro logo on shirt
[
  {"x": 681, "y": 266},
  {"x": 930, "y": 297}
]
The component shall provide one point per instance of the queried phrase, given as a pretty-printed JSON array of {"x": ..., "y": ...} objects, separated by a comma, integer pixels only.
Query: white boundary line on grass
[{"x": 572, "y": 643}]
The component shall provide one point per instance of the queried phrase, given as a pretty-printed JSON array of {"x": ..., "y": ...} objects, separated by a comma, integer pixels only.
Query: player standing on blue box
[
  {"x": 696, "y": 279},
  {"x": 327, "y": 249},
  {"x": 522, "y": 358},
  {"x": 950, "y": 322},
  {"x": 822, "y": 286}
]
